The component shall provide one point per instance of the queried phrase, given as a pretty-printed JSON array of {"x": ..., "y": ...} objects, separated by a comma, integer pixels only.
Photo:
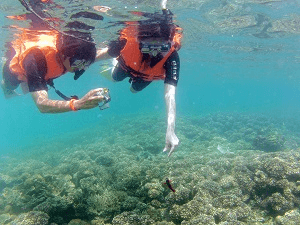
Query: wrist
[
  {"x": 77, "y": 104},
  {"x": 73, "y": 106}
]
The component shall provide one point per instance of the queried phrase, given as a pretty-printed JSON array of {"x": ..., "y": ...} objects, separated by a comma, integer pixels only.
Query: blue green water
[
  {"x": 215, "y": 76},
  {"x": 204, "y": 87}
]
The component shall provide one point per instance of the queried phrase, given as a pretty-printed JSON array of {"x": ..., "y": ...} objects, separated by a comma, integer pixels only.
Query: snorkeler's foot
[
  {"x": 108, "y": 71},
  {"x": 7, "y": 92}
]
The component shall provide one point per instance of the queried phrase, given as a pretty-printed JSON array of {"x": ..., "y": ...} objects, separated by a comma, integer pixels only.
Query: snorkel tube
[
  {"x": 163, "y": 4},
  {"x": 166, "y": 12}
]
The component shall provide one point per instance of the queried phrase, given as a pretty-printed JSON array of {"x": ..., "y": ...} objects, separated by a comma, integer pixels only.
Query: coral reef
[
  {"x": 31, "y": 218},
  {"x": 270, "y": 142},
  {"x": 118, "y": 177}
]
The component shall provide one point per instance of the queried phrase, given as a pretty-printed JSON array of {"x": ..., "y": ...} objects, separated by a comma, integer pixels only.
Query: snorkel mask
[
  {"x": 155, "y": 42},
  {"x": 81, "y": 65},
  {"x": 154, "y": 47}
]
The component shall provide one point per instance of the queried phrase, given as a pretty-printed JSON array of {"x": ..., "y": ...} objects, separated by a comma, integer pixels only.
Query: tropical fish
[{"x": 169, "y": 185}]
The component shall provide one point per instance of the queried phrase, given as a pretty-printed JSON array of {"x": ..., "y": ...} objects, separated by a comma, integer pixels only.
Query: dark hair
[
  {"x": 157, "y": 25},
  {"x": 75, "y": 47},
  {"x": 161, "y": 30}
]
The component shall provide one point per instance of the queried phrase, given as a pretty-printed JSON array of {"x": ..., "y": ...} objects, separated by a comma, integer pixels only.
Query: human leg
[
  {"x": 138, "y": 84},
  {"x": 119, "y": 74},
  {"x": 9, "y": 82}
]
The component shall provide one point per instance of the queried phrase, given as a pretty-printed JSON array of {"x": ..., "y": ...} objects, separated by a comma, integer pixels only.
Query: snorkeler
[
  {"x": 147, "y": 51},
  {"x": 36, "y": 57}
]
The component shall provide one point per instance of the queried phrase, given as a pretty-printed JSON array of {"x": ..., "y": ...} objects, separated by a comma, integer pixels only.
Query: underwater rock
[
  {"x": 277, "y": 204},
  {"x": 156, "y": 204},
  {"x": 130, "y": 203},
  {"x": 190, "y": 210},
  {"x": 291, "y": 217},
  {"x": 31, "y": 218},
  {"x": 77, "y": 222},
  {"x": 131, "y": 218},
  {"x": 228, "y": 182},
  {"x": 243, "y": 212},
  {"x": 92, "y": 184},
  {"x": 164, "y": 223},
  {"x": 155, "y": 189},
  {"x": 200, "y": 219},
  {"x": 181, "y": 196},
  {"x": 291, "y": 26},
  {"x": 237, "y": 22},
  {"x": 256, "y": 1},
  {"x": 98, "y": 221},
  {"x": 50, "y": 194},
  {"x": 5, "y": 218},
  {"x": 276, "y": 167},
  {"x": 7, "y": 181},
  {"x": 213, "y": 187},
  {"x": 247, "y": 187},
  {"x": 106, "y": 204},
  {"x": 141, "y": 207},
  {"x": 227, "y": 10},
  {"x": 59, "y": 210},
  {"x": 104, "y": 161},
  {"x": 269, "y": 143},
  {"x": 269, "y": 188}
]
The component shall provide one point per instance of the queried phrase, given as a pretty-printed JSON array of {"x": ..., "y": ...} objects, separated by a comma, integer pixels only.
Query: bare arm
[
  {"x": 102, "y": 54},
  {"x": 171, "y": 106},
  {"x": 46, "y": 105},
  {"x": 171, "y": 139}
]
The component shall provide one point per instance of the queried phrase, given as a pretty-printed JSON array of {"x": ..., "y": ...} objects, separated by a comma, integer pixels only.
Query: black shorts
[{"x": 137, "y": 84}]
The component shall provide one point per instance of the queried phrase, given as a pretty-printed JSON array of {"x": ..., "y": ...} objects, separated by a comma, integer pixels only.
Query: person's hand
[
  {"x": 171, "y": 143},
  {"x": 90, "y": 100}
]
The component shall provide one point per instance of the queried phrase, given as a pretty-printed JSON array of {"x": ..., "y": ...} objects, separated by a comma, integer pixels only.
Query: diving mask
[
  {"x": 154, "y": 47},
  {"x": 80, "y": 64}
]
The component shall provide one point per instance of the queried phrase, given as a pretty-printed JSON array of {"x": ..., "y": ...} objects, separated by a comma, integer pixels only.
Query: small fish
[{"x": 169, "y": 185}]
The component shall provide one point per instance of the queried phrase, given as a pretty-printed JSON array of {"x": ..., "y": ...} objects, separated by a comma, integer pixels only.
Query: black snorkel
[
  {"x": 78, "y": 74},
  {"x": 168, "y": 16}
]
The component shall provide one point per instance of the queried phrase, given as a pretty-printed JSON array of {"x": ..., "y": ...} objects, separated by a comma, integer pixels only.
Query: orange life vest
[
  {"x": 43, "y": 40},
  {"x": 131, "y": 56}
]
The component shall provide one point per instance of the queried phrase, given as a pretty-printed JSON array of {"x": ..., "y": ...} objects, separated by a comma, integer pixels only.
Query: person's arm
[
  {"x": 46, "y": 105},
  {"x": 171, "y": 139},
  {"x": 112, "y": 51},
  {"x": 36, "y": 68},
  {"x": 172, "y": 67},
  {"x": 102, "y": 54}
]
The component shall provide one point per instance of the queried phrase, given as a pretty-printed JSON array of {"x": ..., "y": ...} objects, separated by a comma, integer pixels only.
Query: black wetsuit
[{"x": 172, "y": 67}]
